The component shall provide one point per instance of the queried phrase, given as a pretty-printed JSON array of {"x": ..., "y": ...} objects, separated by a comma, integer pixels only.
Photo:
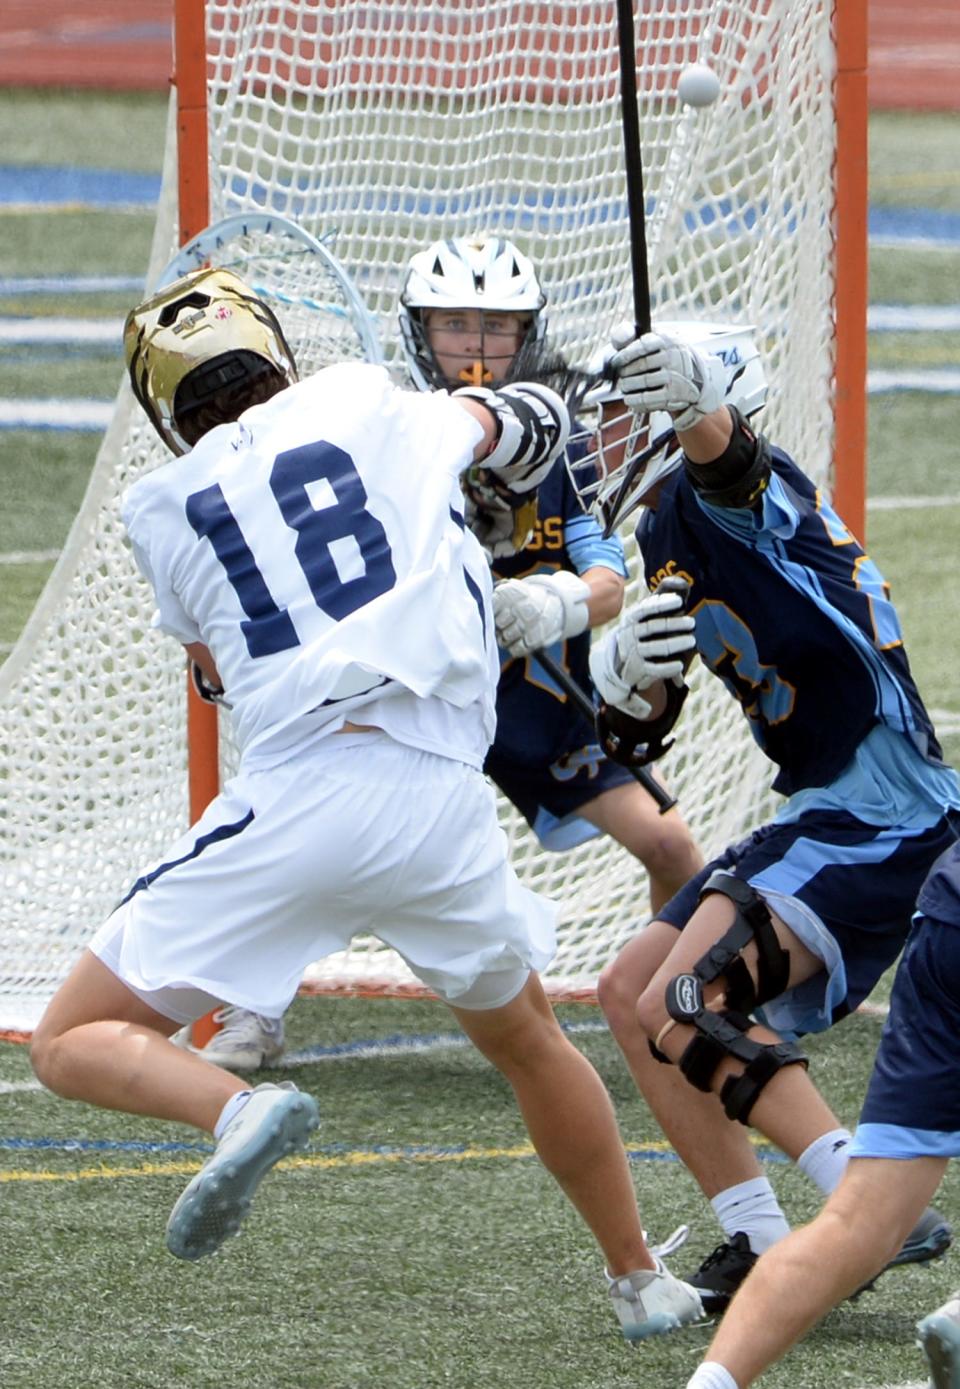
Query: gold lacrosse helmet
[{"x": 203, "y": 334}]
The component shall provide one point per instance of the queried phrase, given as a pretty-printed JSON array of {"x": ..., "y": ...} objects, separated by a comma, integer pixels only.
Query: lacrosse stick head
[
  {"x": 480, "y": 277},
  {"x": 201, "y": 351},
  {"x": 617, "y": 458}
]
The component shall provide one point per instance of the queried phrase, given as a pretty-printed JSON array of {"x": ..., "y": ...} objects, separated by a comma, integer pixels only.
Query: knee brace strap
[
  {"x": 752, "y": 922},
  {"x": 740, "y": 1093},
  {"x": 720, "y": 1035}
]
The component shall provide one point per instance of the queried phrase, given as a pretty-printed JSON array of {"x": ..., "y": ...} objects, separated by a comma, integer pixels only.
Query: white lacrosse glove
[
  {"x": 648, "y": 645},
  {"x": 655, "y": 373},
  {"x": 537, "y": 611},
  {"x": 533, "y": 429}
]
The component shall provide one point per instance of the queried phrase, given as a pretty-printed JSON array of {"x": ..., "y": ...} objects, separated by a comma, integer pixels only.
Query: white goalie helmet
[
  {"x": 617, "y": 457},
  {"x": 204, "y": 334},
  {"x": 486, "y": 273}
]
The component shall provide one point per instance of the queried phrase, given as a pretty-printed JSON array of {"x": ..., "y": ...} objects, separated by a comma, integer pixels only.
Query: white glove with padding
[
  {"x": 537, "y": 611},
  {"x": 653, "y": 372},
  {"x": 648, "y": 645}
]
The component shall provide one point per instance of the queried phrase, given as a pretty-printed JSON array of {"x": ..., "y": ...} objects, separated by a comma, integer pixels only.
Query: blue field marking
[
  {"x": 657, "y": 1151},
  {"x": 50, "y": 187},
  {"x": 97, "y": 1145},
  {"x": 16, "y": 285},
  {"x": 45, "y": 187}
]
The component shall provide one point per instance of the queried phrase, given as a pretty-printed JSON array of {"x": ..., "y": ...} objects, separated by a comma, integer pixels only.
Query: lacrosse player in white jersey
[
  {"x": 472, "y": 311},
  {"x": 307, "y": 546}
]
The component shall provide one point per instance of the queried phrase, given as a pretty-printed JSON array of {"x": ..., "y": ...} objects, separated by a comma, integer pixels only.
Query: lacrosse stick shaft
[
  {"x": 584, "y": 703},
  {"x": 633, "y": 164}
]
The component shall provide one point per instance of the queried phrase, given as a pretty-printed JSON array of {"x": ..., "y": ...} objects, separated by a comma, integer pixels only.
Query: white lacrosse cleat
[
  {"x": 276, "y": 1120},
  {"x": 650, "y": 1302},
  {"x": 245, "y": 1041},
  {"x": 939, "y": 1339}
]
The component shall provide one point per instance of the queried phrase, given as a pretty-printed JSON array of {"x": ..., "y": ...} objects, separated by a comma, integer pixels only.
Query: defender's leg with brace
[{"x": 721, "y": 1032}]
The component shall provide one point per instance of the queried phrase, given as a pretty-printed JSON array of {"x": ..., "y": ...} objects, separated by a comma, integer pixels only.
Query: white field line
[
  {"x": 28, "y": 556},
  {"x": 56, "y": 414},
  {"x": 15, "y": 332},
  {"x": 909, "y": 503}
]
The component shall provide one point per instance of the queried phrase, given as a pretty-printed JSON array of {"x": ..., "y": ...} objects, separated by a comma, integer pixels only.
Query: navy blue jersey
[
  {"x": 940, "y": 895},
  {"x": 794, "y": 618},
  {"x": 535, "y": 721}
]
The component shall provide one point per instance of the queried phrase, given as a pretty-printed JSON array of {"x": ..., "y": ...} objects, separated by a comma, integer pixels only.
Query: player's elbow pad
[
  {"x": 533, "y": 426},
  {"x": 740, "y": 475}
]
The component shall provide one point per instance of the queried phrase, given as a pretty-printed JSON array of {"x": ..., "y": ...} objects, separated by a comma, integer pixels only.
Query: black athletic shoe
[
  {"x": 930, "y": 1238},
  {"x": 722, "y": 1272}
]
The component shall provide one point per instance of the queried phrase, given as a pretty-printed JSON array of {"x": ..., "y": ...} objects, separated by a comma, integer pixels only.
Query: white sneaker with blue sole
[
  {"x": 651, "y": 1302},
  {"x": 939, "y": 1339},
  {"x": 276, "y": 1120}
]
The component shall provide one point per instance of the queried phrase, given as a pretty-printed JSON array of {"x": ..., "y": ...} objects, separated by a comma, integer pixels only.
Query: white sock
[
  {"x": 751, "y": 1209},
  {"x": 711, "y": 1375},
  {"x": 825, "y": 1161},
  {"x": 230, "y": 1111}
]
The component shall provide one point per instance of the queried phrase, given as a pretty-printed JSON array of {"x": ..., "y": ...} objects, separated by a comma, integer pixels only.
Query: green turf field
[{"x": 419, "y": 1245}]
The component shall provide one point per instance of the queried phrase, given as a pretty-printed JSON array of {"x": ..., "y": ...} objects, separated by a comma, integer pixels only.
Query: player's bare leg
[
  {"x": 662, "y": 843},
  {"x": 99, "y": 1042},
  {"x": 798, "y": 1280},
  {"x": 790, "y": 1111},
  {"x": 571, "y": 1122},
  {"x": 569, "y": 1117},
  {"x": 685, "y": 1115}
]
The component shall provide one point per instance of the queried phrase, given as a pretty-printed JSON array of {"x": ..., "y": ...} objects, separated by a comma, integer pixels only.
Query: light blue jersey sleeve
[{"x": 586, "y": 547}]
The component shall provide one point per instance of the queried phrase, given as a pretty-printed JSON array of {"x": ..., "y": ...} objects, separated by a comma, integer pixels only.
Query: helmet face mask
[
  {"x": 623, "y": 457},
  {"x": 201, "y": 351},
  {"x": 486, "y": 279}
]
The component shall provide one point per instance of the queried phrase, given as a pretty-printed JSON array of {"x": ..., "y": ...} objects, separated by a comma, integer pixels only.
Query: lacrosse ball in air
[{"x": 698, "y": 85}]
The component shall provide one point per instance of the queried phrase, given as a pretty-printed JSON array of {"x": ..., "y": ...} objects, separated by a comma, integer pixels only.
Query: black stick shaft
[
  {"x": 584, "y": 703},
  {"x": 633, "y": 162}
]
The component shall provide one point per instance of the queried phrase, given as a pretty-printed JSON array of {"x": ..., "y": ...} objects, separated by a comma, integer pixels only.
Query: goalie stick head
[
  {"x": 617, "y": 458},
  {"x": 201, "y": 351},
  {"x": 483, "y": 277}
]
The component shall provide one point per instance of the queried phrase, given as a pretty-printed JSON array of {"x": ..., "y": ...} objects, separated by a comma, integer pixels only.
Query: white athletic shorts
[{"x": 360, "y": 834}]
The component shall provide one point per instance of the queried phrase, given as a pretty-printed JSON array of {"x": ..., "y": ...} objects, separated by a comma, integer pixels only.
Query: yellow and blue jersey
[
  {"x": 535, "y": 721},
  {"x": 795, "y": 619}
]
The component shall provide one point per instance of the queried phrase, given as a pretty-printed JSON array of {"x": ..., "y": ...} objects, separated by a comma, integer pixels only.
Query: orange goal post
[{"x": 381, "y": 125}]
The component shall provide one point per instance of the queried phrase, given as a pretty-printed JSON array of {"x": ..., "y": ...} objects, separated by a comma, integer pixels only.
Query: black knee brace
[
  {"x": 752, "y": 922},
  {"x": 722, "y": 1034}
]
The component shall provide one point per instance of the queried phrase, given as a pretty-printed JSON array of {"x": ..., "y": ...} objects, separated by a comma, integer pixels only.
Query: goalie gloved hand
[
  {"x": 533, "y": 426},
  {"x": 503, "y": 528},
  {"x": 653, "y": 372},
  {"x": 537, "y": 611},
  {"x": 652, "y": 642}
]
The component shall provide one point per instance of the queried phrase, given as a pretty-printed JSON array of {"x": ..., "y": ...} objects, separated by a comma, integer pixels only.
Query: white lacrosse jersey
[{"x": 317, "y": 547}]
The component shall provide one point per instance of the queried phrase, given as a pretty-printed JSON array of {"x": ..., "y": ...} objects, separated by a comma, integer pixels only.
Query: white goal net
[{"x": 381, "y": 126}]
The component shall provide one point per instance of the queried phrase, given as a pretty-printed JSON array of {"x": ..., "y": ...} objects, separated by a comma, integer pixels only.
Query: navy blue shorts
[
  {"x": 550, "y": 796},
  {"x": 912, "y": 1108},
  {"x": 847, "y": 889}
]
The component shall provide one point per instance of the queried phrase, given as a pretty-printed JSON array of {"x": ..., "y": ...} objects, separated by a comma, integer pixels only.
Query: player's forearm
[
  {"x": 606, "y": 594},
  {"x": 709, "y": 437}
]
